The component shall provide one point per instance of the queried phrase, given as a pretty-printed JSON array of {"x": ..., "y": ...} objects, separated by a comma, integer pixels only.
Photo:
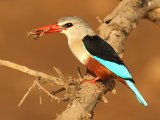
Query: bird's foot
[{"x": 93, "y": 81}]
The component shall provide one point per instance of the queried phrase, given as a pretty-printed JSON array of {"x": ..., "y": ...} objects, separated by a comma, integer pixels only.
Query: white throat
[
  {"x": 75, "y": 42},
  {"x": 78, "y": 49}
]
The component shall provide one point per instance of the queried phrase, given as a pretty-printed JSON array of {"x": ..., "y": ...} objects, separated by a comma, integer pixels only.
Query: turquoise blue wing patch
[{"x": 118, "y": 69}]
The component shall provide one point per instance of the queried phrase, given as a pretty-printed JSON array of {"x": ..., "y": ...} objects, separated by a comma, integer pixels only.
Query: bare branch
[
  {"x": 117, "y": 25},
  {"x": 36, "y": 82},
  {"x": 48, "y": 93},
  {"x": 44, "y": 77},
  {"x": 81, "y": 108}
]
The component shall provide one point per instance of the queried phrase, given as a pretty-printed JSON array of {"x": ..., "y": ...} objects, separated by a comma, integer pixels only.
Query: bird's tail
[{"x": 136, "y": 92}]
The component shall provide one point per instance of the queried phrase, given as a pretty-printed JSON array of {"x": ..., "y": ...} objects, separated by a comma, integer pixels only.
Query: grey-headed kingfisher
[{"x": 97, "y": 55}]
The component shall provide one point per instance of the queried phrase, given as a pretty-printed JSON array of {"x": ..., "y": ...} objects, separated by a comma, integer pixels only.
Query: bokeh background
[{"x": 17, "y": 17}]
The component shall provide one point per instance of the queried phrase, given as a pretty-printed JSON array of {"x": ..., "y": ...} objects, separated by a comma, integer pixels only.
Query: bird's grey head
[{"x": 74, "y": 27}]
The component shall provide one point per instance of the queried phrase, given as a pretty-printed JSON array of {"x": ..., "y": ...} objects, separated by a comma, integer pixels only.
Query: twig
[
  {"x": 27, "y": 93},
  {"x": 57, "y": 91},
  {"x": 44, "y": 77},
  {"x": 48, "y": 93},
  {"x": 59, "y": 73},
  {"x": 40, "y": 97},
  {"x": 99, "y": 20}
]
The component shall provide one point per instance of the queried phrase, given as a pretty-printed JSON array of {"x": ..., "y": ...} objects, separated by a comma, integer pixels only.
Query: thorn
[
  {"x": 104, "y": 99},
  {"x": 113, "y": 91},
  {"x": 79, "y": 72},
  {"x": 40, "y": 97},
  {"x": 99, "y": 20},
  {"x": 59, "y": 73}
]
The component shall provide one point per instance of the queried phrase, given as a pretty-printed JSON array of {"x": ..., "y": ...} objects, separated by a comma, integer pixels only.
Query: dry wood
[{"x": 44, "y": 77}]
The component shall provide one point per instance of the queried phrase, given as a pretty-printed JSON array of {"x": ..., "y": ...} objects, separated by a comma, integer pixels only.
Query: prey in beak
[{"x": 39, "y": 32}]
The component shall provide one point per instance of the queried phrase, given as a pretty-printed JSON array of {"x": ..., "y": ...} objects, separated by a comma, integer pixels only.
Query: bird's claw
[
  {"x": 90, "y": 81},
  {"x": 93, "y": 81}
]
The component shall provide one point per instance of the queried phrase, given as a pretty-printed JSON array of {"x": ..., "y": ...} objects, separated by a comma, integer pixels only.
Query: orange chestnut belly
[{"x": 97, "y": 69}]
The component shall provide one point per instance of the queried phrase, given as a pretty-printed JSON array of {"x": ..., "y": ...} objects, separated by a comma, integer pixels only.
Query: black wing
[{"x": 98, "y": 47}]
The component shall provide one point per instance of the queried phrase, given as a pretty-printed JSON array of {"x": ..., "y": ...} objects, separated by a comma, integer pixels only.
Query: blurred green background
[{"x": 142, "y": 56}]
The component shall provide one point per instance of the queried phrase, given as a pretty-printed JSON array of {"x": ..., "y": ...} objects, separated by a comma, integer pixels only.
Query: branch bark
[
  {"x": 117, "y": 26},
  {"x": 154, "y": 15},
  {"x": 81, "y": 108}
]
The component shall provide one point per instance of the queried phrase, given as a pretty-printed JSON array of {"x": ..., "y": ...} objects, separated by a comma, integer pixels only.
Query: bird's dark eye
[{"x": 67, "y": 25}]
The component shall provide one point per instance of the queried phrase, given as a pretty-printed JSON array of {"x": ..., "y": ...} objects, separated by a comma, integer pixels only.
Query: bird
[{"x": 100, "y": 59}]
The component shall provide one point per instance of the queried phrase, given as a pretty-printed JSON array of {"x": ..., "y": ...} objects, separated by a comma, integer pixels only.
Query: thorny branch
[
  {"x": 42, "y": 76},
  {"x": 37, "y": 83},
  {"x": 114, "y": 28}
]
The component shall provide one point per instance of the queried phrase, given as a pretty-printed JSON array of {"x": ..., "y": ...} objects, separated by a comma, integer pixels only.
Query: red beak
[{"x": 37, "y": 33}]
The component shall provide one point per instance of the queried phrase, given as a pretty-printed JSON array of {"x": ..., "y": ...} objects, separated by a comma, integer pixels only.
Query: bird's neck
[{"x": 78, "y": 49}]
